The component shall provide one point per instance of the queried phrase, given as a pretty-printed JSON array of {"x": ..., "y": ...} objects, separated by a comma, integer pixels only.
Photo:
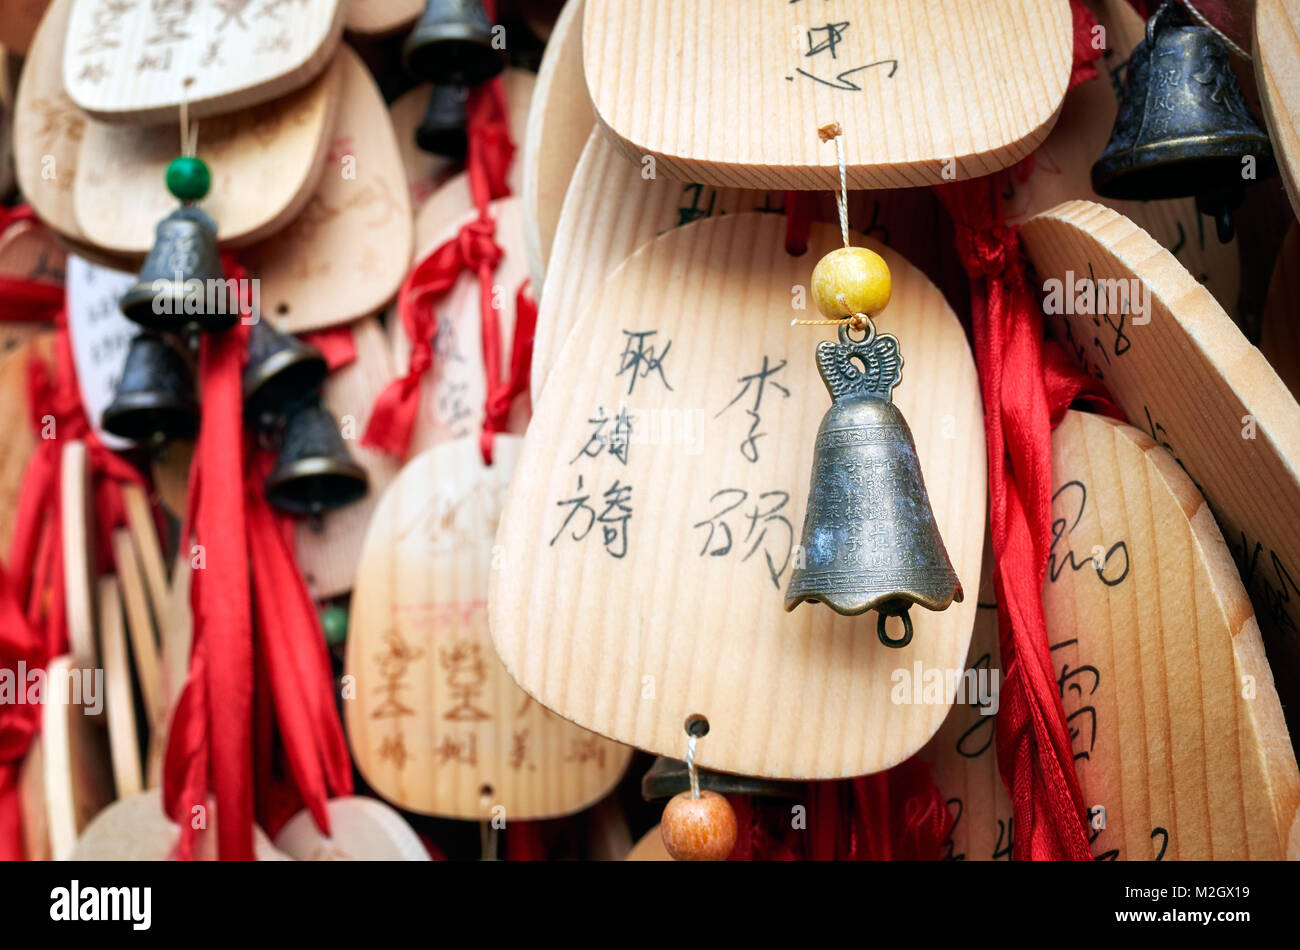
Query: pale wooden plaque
[
  {"x": 134, "y": 62},
  {"x": 20, "y": 441},
  {"x": 1183, "y": 373},
  {"x": 559, "y": 123},
  {"x": 672, "y": 605},
  {"x": 649, "y": 848},
  {"x": 1277, "y": 71},
  {"x": 119, "y": 703},
  {"x": 78, "y": 775},
  {"x": 452, "y": 393},
  {"x": 345, "y": 255},
  {"x": 100, "y": 335},
  {"x": 437, "y": 726},
  {"x": 1176, "y": 727},
  {"x": 380, "y": 16},
  {"x": 732, "y": 92},
  {"x": 48, "y": 128},
  {"x": 265, "y": 161},
  {"x": 1062, "y": 166},
  {"x": 361, "y": 829},
  {"x": 328, "y": 555},
  {"x": 76, "y": 521}
]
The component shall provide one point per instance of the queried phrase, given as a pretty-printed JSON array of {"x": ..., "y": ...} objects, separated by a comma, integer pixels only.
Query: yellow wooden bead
[
  {"x": 699, "y": 829},
  {"x": 857, "y": 274}
]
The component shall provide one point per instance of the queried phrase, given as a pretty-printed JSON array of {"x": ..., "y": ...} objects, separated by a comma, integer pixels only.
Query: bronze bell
[
  {"x": 1183, "y": 127},
  {"x": 154, "y": 402},
  {"x": 442, "y": 130},
  {"x": 869, "y": 537},
  {"x": 452, "y": 45},
  {"x": 314, "y": 471},
  {"x": 282, "y": 370},
  {"x": 181, "y": 285},
  {"x": 668, "y": 777}
]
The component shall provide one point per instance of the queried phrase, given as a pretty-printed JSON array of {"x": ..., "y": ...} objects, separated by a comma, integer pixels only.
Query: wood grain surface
[
  {"x": 1277, "y": 72},
  {"x": 136, "y": 63},
  {"x": 437, "y": 726},
  {"x": 732, "y": 92},
  {"x": 672, "y": 605}
]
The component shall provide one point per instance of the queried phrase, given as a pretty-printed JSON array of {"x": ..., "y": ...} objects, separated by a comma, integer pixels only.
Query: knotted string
[{"x": 501, "y": 393}]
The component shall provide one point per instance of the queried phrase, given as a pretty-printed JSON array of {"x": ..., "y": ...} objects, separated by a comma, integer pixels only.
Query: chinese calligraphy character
[
  {"x": 766, "y": 516},
  {"x": 466, "y": 674},
  {"x": 393, "y": 663},
  {"x": 640, "y": 359},
  {"x": 615, "y": 442},
  {"x": 759, "y": 380},
  {"x": 615, "y": 517}
]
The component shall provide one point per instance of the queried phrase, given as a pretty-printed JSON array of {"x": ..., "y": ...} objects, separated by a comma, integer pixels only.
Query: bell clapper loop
[{"x": 882, "y": 616}]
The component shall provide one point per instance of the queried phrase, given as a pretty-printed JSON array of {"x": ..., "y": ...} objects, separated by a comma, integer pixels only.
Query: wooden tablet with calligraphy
[
  {"x": 328, "y": 554},
  {"x": 646, "y": 544},
  {"x": 731, "y": 92},
  {"x": 266, "y": 162},
  {"x": 345, "y": 255},
  {"x": 76, "y": 523},
  {"x": 361, "y": 829},
  {"x": 963, "y": 752},
  {"x": 136, "y": 63},
  {"x": 1176, "y": 728},
  {"x": 119, "y": 702},
  {"x": 15, "y": 417},
  {"x": 100, "y": 337},
  {"x": 559, "y": 123},
  {"x": 1277, "y": 71},
  {"x": 452, "y": 393},
  {"x": 437, "y": 726},
  {"x": 1184, "y": 374},
  {"x": 1062, "y": 166}
]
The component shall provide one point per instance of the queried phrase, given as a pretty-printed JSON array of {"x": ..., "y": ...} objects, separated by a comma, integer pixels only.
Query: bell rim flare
[
  {"x": 849, "y": 604},
  {"x": 350, "y": 477}
]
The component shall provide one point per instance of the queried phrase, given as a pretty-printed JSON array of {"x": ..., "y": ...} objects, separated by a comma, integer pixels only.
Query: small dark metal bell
[
  {"x": 154, "y": 402},
  {"x": 452, "y": 45},
  {"x": 314, "y": 471},
  {"x": 281, "y": 371},
  {"x": 442, "y": 130},
  {"x": 870, "y": 541},
  {"x": 181, "y": 285},
  {"x": 1183, "y": 127},
  {"x": 669, "y": 777}
]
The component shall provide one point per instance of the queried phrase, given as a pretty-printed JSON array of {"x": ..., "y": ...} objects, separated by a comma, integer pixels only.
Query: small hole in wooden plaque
[
  {"x": 697, "y": 726},
  {"x": 282, "y": 309},
  {"x": 485, "y": 791}
]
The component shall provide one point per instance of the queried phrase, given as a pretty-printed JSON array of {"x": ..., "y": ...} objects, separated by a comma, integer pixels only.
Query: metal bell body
[
  {"x": 281, "y": 372},
  {"x": 314, "y": 471},
  {"x": 870, "y": 541},
  {"x": 1183, "y": 127},
  {"x": 442, "y": 130},
  {"x": 181, "y": 284},
  {"x": 668, "y": 777},
  {"x": 452, "y": 45},
  {"x": 154, "y": 402}
]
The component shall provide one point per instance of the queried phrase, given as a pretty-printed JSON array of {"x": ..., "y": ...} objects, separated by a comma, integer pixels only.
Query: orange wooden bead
[{"x": 698, "y": 829}]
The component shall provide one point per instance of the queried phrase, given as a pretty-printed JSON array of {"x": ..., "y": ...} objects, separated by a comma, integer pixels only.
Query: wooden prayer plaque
[
  {"x": 1277, "y": 71},
  {"x": 732, "y": 92},
  {"x": 361, "y": 829},
  {"x": 79, "y": 571},
  {"x": 649, "y": 848},
  {"x": 1184, "y": 374},
  {"x": 559, "y": 123},
  {"x": 452, "y": 393},
  {"x": 380, "y": 16},
  {"x": 647, "y": 542},
  {"x": 1062, "y": 166},
  {"x": 74, "y": 753},
  {"x": 328, "y": 555},
  {"x": 119, "y": 703},
  {"x": 20, "y": 441},
  {"x": 266, "y": 162},
  {"x": 963, "y": 751},
  {"x": 437, "y": 726},
  {"x": 136, "y": 63},
  {"x": 1176, "y": 727},
  {"x": 100, "y": 337},
  {"x": 48, "y": 127},
  {"x": 346, "y": 254}
]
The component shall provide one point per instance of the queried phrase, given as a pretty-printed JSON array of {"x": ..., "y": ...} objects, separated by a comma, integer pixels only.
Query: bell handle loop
[
  {"x": 1155, "y": 19},
  {"x": 904, "y": 640},
  {"x": 847, "y": 338}
]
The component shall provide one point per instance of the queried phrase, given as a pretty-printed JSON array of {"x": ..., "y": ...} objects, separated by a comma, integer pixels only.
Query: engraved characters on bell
[
  {"x": 918, "y": 686},
  {"x": 1097, "y": 297}
]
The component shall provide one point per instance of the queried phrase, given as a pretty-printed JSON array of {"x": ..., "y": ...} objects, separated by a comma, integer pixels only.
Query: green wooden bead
[
  {"x": 188, "y": 178},
  {"x": 335, "y": 621}
]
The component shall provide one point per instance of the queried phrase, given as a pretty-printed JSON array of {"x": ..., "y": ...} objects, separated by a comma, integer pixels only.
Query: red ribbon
[
  {"x": 1026, "y": 388},
  {"x": 474, "y": 249},
  {"x": 336, "y": 344},
  {"x": 501, "y": 393}
]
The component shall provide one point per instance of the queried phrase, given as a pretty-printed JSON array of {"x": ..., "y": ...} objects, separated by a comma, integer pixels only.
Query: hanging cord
[
  {"x": 189, "y": 132},
  {"x": 1202, "y": 19},
  {"x": 859, "y": 321}
]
